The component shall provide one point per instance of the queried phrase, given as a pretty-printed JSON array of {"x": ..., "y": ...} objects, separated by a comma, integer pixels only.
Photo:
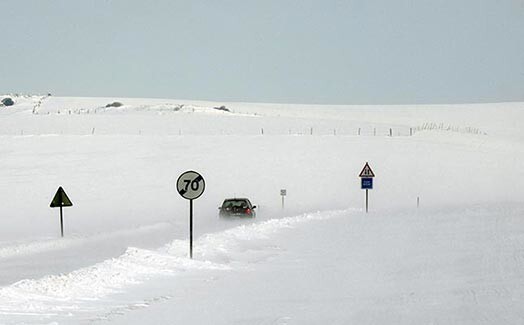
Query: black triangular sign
[
  {"x": 61, "y": 199},
  {"x": 366, "y": 172}
]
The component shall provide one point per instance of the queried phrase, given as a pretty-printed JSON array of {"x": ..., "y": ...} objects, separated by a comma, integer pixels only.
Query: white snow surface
[{"x": 456, "y": 259}]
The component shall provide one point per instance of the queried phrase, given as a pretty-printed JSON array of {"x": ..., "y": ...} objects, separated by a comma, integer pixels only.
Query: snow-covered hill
[{"x": 455, "y": 259}]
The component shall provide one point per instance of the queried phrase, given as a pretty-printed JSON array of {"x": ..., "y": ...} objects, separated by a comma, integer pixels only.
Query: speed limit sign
[{"x": 190, "y": 185}]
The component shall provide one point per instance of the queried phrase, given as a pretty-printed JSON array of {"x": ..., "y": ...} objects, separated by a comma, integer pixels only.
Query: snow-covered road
[{"x": 334, "y": 267}]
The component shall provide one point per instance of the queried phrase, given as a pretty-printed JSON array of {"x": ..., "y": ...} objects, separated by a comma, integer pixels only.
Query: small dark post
[
  {"x": 311, "y": 130},
  {"x": 283, "y": 193},
  {"x": 366, "y": 201},
  {"x": 418, "y": 201},
  {"x": 262, "y": 131},
  {"x": 61, "y": 223},
  {"x": 358, "y": 131},
  {"x": 191, "y": 229},
  {"x": 390, "y": 132},
  {"x": 410, "y": 131}
]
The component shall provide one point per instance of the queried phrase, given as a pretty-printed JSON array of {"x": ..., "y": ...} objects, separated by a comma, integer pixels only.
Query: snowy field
[{"x": 456, "y": 259}]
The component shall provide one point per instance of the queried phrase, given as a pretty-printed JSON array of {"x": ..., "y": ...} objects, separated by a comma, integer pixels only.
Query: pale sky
[{"x": 318, "y": 52}]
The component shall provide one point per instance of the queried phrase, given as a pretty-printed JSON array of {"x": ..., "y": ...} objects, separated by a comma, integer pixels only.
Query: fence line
[{"x": 370, "y": 131}]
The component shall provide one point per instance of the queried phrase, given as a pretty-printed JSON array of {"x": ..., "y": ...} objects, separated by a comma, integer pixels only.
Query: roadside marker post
[
  {"x": 366, "y": 177},
  {"x": 190, "y": 185},
  {"x": 283, "y": 193},
  {"x": 61, "y": 200}
]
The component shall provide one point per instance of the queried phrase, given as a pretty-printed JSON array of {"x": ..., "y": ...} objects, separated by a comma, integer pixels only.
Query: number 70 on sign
[{"x": 190, "y": 185}]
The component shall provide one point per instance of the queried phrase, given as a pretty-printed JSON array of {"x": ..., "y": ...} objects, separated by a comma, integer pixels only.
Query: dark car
[{"x": 237, "y": 208}]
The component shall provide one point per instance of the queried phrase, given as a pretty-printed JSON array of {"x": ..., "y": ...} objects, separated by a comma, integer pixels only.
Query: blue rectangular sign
[{"x": 367, "y": 183}]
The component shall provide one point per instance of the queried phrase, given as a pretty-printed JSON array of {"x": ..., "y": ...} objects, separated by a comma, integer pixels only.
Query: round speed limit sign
[{"x": 190, "y": 185}]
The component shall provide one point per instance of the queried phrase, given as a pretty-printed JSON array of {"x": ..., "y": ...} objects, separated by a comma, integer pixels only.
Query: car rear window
[{"x": 235, "y": 204}]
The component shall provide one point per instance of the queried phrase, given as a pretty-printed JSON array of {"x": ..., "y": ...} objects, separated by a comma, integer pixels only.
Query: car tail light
[{"x": 248, "y": 211}]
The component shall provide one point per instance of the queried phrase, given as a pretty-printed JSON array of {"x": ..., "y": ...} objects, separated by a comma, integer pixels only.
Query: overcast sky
[{"x": 332, "y": 52}]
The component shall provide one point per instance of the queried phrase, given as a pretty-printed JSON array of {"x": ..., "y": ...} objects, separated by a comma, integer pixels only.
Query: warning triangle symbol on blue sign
[
  {"x": 366, "y": 172},
  {"x": 61, "y": 199}
]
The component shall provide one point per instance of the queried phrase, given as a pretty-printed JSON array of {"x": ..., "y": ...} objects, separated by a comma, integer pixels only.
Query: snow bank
[
  {"x": 67, "y": 291},
  {"x": 238, "y": 244}
]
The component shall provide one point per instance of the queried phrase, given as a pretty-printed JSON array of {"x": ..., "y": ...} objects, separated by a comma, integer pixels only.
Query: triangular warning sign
[
  {"x": 366, "y": 172},
  {"x": 60, "y": 199}
]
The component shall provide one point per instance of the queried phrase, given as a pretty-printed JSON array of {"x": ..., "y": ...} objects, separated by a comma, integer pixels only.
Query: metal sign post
[
  {"x": 190, "y": 185},
  {"x": 61, "y": 200},
  {"x": 283, "y": 193},
  {"x": 366, "y": 176},
  {"x": 61, "y": 223},
  {"x": 190, "y": 228}
]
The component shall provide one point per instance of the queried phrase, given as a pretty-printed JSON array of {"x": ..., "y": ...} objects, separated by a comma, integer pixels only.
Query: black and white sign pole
[
  {"x": 283, "y": 193},
  {"x": 190, "y": 185},
  {"x": 366, "y": 177}
]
